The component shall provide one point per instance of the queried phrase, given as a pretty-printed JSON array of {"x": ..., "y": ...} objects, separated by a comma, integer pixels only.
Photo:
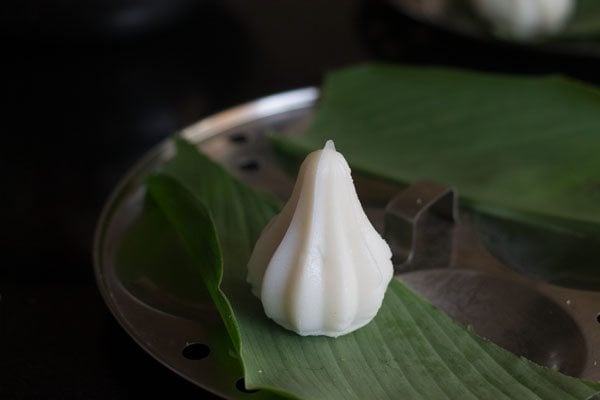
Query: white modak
[
  {"x": 526, "y": 19},
  {"x": 319, "y": 266}
]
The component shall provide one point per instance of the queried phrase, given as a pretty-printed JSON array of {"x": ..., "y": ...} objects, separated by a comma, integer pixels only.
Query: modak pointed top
[{"x": 319, "y": 266}]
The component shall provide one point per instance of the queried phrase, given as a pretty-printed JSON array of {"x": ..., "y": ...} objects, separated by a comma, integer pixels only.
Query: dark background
[{"x": 88, "y": 87}]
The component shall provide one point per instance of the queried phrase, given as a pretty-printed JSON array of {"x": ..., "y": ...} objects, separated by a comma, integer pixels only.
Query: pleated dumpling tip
[{"x": 319, "y": 266}]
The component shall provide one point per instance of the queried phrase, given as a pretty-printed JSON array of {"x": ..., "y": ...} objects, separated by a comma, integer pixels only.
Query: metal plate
[
  {"x": 178, "y": 334},
  {"x": 550, "y": 325}
]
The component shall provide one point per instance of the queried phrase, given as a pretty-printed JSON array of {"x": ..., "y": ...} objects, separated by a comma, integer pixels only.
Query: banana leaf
[
  {"x": 410, "y": 350},
  {"x": 585, "y": 22},
  {"x": 522, "y": 150}
]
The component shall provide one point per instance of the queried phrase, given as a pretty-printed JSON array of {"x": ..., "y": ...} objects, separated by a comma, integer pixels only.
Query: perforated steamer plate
[{"x": 553, "y": 326}]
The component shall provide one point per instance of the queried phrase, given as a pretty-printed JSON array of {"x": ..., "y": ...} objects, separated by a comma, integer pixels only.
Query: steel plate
[{"x": 551, "y": 325}]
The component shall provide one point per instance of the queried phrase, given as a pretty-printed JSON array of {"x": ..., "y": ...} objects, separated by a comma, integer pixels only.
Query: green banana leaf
[
  {"x": 141, "y": 267},
  {"x": 410, "y": 350},
  {"x": 585, "y": 23},
  {"x": 519, "y": 149}
]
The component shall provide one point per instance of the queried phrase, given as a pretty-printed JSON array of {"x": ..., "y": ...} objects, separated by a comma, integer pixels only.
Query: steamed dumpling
[
  {"x": 319, "y": 267},
  {"x": 525, "y": 19}
]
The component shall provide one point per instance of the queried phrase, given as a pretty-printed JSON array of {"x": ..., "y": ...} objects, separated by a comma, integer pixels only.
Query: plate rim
[{"x": 205, "y": 128}]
